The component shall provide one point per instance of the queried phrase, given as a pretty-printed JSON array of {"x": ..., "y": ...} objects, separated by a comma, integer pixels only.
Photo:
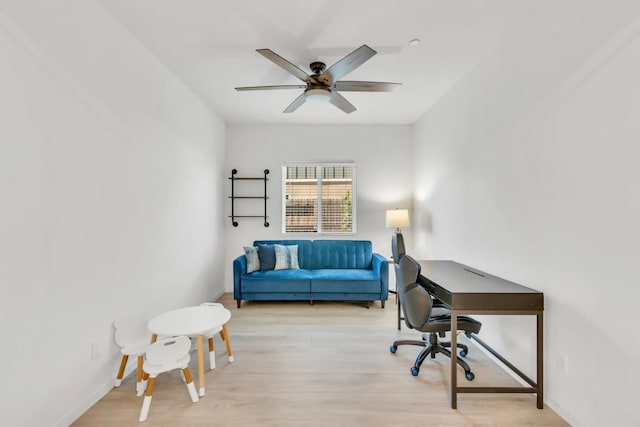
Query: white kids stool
[
  {"x": 132, "y": 336},
  {"x": 164, "y": 356}
]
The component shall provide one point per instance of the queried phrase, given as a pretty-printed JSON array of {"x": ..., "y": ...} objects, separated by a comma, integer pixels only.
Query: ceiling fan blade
[
  {"x": 295, "y": 104},
  {"x": 341, "y": 102},
  {"x": 271, "y": 87},
  {"x": 347, "y": 64},
  {"x": 283, "y": 63},
  {"x": 358, "y": 86}
]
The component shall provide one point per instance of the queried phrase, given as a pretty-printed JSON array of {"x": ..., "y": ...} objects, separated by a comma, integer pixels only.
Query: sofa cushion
[
  {"x": 277, "y": 281},
  {"x": 267, "y": 255},
  {"x": 341, "y": 254},
  {"x": 344, "y": 280}
]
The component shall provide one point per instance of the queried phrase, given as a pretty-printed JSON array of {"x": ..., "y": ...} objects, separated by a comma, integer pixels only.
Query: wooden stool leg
[
  {"x": 212, "y": 354},
  {"x": 201, "y": 365},
  {"x": 123, "y": 364},
  {"x": 225, "y": 336},
  {"x": 146, "y": 404},
  {"x": 140, "y": 384},
  {"x": 190, "y": 386}
]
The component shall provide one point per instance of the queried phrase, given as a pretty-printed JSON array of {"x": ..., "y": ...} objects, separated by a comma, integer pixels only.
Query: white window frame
[{"x": 319, "y": 166}]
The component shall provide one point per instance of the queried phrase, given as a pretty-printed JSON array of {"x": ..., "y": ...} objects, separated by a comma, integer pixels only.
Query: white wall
[
  {"x": 530, "y": 172},
  {"x": 111, "y": 204},
  {"x": 384, "y": 174}
]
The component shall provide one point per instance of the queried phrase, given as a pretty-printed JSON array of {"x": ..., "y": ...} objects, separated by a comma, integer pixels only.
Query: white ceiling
[{"x": 211, "y": 46}]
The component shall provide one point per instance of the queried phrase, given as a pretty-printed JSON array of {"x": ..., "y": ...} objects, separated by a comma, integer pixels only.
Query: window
[{"x": 318, "y": 198}]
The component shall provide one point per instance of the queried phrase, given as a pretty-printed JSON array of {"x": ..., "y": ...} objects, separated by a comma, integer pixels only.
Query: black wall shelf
[{"x": 233, "y": 196}]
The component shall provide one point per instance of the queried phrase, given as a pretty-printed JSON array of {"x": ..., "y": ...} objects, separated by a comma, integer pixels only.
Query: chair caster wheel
[
  {"x": 393, "y": 349},
  {"x": 415, "y": 371},
  {"x": 469, "y": 376}
]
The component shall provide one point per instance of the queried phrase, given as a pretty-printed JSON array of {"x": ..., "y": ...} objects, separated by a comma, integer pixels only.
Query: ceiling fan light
[{"x": 317, "y": 95}]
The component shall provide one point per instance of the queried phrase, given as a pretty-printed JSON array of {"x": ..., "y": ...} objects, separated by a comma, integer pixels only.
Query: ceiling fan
[{"x": 324, "y": 84}]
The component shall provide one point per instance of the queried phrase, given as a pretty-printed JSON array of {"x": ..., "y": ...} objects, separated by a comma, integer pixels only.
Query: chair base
[
  {"x": 446, "y": 344},
  {"x": 431, "y": 349}
]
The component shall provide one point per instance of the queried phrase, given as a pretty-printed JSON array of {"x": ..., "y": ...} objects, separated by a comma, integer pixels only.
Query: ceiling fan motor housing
[{"x": 317, "y": 67}]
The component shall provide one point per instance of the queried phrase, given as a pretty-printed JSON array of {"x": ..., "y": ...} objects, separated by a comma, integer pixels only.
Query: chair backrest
[
  {"x": 168, "y": 352},
  {"x": 397, "y": 247},
  {"x": 415, "y": 300},
  {"x": 131, "y": 331}
]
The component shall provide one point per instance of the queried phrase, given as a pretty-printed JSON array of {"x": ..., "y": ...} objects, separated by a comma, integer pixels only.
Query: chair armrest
[
  {"x": 239, "y": 269},
  {"x": 380, "y": 266}
]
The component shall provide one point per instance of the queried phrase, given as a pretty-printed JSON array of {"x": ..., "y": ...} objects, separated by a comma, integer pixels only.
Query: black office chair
[
  {"x": 417, "y": 305},
  {"x": 397, "y": 252}
]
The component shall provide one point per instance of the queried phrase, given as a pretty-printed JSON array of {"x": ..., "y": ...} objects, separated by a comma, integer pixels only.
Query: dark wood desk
[{"x": 466, "y": 290}]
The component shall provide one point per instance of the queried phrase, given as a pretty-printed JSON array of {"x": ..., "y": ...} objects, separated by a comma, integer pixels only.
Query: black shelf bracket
[{"x": 233, "y": 196}]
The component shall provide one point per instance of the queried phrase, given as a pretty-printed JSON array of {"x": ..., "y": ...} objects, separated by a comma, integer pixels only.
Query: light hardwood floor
[{"x": 323, "y": 365}]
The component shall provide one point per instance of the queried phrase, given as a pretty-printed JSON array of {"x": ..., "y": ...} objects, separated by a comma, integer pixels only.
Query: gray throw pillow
[{"x": 267, "y": 256}]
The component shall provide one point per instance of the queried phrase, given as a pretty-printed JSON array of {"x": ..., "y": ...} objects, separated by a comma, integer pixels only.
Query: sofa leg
[
  {"x": 382, "y": 303},
  {"x": 310, "y": 302},
  {"x": 238, "y": 302}
]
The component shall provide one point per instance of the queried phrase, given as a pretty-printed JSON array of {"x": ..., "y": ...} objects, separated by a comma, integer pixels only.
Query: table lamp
[{"x": 397, "y": 218}]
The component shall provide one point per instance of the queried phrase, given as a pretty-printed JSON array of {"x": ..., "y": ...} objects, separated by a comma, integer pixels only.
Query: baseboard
[
  {"x": 218, "y": 295},
  {"x": 93, "y": 398},
  {"x": 550, "y": 403},
  {"x": 561, "y": 413}
]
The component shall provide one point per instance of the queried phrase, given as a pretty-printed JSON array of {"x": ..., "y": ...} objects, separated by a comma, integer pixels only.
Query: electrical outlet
[
  {"x": 95, "y": 350},
  {"x": 564, "y": 363}
]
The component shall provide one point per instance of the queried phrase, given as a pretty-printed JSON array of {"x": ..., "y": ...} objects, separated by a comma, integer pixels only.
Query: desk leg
[
  {"x": 454, "y": 354},
  {"x": 539, "y": 372},
  {"x": 201, "y": 365}
]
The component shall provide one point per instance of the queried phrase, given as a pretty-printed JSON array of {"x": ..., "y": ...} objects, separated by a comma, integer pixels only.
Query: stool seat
[{"x": 135, "y": 349}]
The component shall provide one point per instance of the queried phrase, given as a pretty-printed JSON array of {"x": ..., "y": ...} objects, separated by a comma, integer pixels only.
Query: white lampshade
[
  {"x": 397, "y": 218},
  {"x": 317, "y": 95}
]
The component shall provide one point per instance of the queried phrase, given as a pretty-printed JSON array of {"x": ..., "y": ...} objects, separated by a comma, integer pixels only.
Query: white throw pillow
[
  {"x": 253, "y": 261},
  {"x": 286, "y": 257}
]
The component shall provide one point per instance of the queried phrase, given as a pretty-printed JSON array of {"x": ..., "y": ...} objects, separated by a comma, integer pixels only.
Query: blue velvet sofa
[{"x": 337, "y": 270}]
